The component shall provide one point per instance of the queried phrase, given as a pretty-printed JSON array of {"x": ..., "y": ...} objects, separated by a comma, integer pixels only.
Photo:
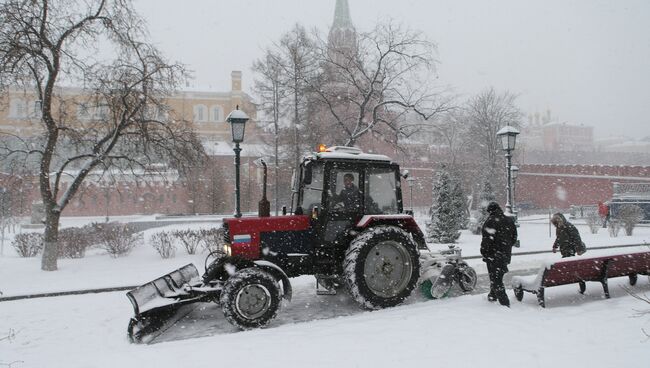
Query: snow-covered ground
[{"x": 325, "y": 331}]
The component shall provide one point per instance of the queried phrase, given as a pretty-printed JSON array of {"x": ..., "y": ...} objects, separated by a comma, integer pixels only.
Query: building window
[
  {"x": 200, "y": 113},
  {"x": 83, "y": 112},
  {"x": 18, "y": 108},
  {"x": 101, "y": 112},
  {"x": 216, "y": 113},
  {"x": 162, "y": 114}
]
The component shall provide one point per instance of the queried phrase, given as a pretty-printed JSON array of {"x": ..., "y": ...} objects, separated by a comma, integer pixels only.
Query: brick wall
[{"x": 560, "y": 186}]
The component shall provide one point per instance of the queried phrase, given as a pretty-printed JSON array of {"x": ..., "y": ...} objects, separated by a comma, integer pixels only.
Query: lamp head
[
  {"x": 508, "y": 135},
  {"x": 237, "y": 120}
]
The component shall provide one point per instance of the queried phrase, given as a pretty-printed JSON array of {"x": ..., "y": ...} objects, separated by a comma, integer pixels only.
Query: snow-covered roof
[
  {"x": 350, "y": 153},
  {"x": 223, "y": 148}
]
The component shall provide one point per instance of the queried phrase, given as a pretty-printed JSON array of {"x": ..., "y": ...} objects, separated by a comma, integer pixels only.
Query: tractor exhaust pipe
[{"x": 264, "y": 207}]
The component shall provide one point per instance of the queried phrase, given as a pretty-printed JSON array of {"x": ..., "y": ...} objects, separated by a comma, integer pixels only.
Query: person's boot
[
  {"x": 504, "y": 301},
  {"x": 503, "y": 297},
  {"x": 491, "y": 297}
]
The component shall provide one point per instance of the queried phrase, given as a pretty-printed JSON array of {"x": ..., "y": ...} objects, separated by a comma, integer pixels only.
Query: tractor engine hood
[{"x": 245, "y": 233}]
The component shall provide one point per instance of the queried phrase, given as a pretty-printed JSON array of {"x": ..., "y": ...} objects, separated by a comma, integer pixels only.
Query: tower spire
[
  {"x": 342, "y": 37},
  {"x": 342, "y": 15}
]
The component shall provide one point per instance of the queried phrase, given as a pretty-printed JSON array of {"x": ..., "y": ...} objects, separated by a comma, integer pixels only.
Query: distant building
[
  {"x": 623, "y": 145},
  {"x": 206, "y": 111},
  {"x": 161, "y": 190},
  {"x": 568, "y": 137}
]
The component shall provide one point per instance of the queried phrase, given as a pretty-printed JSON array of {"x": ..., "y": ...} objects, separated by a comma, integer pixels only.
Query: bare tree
[
  {"x": 269, "y": 86},
  {"x": 370, "y": 89},
  {"x": 120, "y": 120},
  {"x": 282, "y": 86},
  {"x": 300, "y": 64},
  {"x": 485, "y": 114},
  {"x": 451, "y": 131}
]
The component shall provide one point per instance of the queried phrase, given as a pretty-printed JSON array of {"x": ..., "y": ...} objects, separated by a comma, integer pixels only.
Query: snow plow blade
[{"x": 157, "y": 304}]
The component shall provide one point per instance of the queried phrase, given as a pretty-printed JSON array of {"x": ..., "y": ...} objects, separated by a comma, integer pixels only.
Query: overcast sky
[{"x": 587, "y": 61}]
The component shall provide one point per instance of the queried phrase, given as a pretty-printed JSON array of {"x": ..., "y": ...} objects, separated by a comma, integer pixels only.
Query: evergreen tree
[
  {"x": 443, "y": 226},
  {"x": 461, "y": 213}
]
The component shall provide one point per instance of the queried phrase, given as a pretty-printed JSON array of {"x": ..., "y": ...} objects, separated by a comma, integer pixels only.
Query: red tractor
[{"x": 347, "y": 227}]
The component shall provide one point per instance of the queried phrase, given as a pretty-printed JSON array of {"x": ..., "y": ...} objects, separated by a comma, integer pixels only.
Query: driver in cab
[{"x": 349, "y": 197}]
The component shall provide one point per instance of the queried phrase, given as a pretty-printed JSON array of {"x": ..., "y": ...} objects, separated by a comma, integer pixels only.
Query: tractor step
[{"x": 326, "y": 284}]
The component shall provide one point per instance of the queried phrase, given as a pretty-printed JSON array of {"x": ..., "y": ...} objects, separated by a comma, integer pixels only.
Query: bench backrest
[
  {"x": 569, "y": 272},
  {"x": 625, "y": 264},
  {"x": 591, "y": 269}
]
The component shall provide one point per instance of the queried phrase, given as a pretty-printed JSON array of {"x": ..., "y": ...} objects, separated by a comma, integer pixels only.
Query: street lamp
[
  {"x": 237, "y": 120},
  {"x": 410, "y": 180},
  {"x": 508, "y": 136},
  {"x": 514, "y": 171}
]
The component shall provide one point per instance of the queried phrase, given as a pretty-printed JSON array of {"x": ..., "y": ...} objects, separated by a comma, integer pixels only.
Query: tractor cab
[
  {"x": 343, "y": 190},
  {"x": 344, "y": 182}
]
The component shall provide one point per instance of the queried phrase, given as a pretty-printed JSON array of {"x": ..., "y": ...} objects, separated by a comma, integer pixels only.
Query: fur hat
[{"x": 493, "y": 207}]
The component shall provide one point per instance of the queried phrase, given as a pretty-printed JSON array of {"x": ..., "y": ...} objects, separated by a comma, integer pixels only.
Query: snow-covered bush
[
  {"x": 212, "y": 239},
  {"x": 163, "y": 242},
  {"x": 630, "y": 215},
  {"x": 74, "y": 241},
  {"x": 28, "y": 244},
  {"x": 191, "y": 239},
  {"x": 594, "y": 221},
  {"x": 118, "y": 239},
  {"x": 613, "y": 226}
]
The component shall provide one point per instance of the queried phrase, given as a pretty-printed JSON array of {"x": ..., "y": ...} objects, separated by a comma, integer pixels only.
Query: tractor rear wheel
[
  {"x": 381, "y": 267},
  {"x": 250, "y": 298}
]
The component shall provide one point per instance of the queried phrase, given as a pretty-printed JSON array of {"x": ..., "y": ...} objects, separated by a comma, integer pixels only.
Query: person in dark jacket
[
  {"x": 567, "y": 239},
  {"x": 499, "y": 236},
  {"x": 349, "y": 196}
]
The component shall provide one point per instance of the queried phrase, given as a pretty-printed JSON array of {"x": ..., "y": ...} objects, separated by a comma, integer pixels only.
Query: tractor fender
[
  {"x": 406, "y": 222},
  {"x": 278, "y": 273}
]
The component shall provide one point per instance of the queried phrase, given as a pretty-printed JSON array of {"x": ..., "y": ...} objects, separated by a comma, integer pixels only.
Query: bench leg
[
  {"x": 582, "y": 286},
  {"x": 605, "y": 287},
  {"x": 603, "y": 278},
  {"x": 540, "y": 297},
  {"x": 519, "y": 293},
  {"x": 633, "y": 279}
]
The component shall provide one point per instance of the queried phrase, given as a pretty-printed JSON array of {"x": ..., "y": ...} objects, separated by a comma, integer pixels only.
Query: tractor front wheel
[
  {"x": 381, "y": 267},
  {"x": 250, "y": 298}
]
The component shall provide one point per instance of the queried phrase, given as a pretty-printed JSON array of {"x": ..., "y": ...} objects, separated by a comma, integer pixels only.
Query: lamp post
[
  {"x": 514, "y": 171},
  {"x": 237, "y": 120},
  {"x": 508, "y": 136},
  {"x": 410, "y": 180}
]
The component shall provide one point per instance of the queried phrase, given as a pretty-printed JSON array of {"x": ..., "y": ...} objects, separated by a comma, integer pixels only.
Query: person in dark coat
[
  {"x": 499, "y": 236},
  {"x": 567, "y": 239},
  {"x": 349, "y": 196}
]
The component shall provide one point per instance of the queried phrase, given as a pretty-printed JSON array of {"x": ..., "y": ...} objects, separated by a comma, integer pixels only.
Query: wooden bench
[{"x": 576, "y": 269}]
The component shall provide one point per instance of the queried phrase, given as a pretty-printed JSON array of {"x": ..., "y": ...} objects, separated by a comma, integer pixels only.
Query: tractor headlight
[{"x": 227, "y": 249}]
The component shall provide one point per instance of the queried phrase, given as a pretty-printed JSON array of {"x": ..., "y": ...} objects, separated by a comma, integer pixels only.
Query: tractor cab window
[
  {"x": 380, "y": 191},
  {"x": 344, "y": 193},
  {"x": 313, "y": 191}
]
